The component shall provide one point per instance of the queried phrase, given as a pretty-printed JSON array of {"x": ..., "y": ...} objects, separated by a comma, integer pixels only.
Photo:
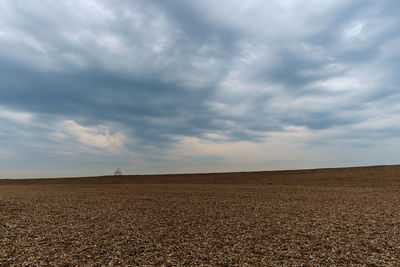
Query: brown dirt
[{"x": 346, "y": 216}]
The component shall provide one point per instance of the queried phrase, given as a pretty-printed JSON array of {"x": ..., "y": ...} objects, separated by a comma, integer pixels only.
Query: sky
[{"x": 176, "y": 86}]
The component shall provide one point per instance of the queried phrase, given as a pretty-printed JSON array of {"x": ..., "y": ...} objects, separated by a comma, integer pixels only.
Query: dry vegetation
[{"x": 326, "y": 217}]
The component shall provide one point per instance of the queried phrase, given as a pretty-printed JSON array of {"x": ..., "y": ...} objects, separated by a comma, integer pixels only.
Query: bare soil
[{"x": 325, "y": 217}]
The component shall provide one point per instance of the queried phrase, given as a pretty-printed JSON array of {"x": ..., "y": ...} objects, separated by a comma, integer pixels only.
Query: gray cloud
[{"x": 158, "y": 71}]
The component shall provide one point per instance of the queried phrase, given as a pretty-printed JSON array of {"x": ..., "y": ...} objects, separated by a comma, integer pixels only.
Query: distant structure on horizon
[{"x": 117, "y": 172}]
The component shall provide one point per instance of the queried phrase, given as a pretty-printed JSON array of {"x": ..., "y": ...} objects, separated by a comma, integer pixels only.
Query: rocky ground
[{"x": 179, "y": 222}]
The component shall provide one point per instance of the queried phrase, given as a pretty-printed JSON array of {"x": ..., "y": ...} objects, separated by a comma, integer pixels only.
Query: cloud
[
  {"x": 21, "y": 117},
  {"x": 161, "y": 73},
  {"x": 94, "y": 136}
]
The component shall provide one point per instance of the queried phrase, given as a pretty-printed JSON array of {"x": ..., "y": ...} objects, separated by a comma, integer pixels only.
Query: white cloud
[
  {"x": 16, "y": 116},
  {"x": 92, "y": 136},
  {"x": 354, "y": 31}
]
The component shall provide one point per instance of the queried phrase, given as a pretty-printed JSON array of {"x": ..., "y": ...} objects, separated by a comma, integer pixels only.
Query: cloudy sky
[{"x": 169, "y": 86}]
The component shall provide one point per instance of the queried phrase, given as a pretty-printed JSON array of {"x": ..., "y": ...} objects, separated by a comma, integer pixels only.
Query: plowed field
[{"x": 347, "y": 216}]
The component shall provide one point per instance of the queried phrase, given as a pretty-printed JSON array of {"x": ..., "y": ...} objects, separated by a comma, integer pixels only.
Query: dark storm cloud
[
  {"x": 140, "y": 100},
  {"x": 91, "y": 98},
  {"x": 198, "y": 28},
  {"x": 158, "y": 70}
]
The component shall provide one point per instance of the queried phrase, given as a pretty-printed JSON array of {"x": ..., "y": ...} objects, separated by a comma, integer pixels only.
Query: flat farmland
[{"x": 347, "y": 216}]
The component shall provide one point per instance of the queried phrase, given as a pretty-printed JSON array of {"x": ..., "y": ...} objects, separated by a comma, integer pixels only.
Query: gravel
[{"x": 198, "y": 224}]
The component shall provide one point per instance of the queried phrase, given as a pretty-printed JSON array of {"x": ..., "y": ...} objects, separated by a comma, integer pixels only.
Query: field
[{"x": 347, "y": 216}]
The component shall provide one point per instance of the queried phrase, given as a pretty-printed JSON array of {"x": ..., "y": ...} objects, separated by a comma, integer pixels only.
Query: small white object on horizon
[{"x": 117, "y": 172}]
